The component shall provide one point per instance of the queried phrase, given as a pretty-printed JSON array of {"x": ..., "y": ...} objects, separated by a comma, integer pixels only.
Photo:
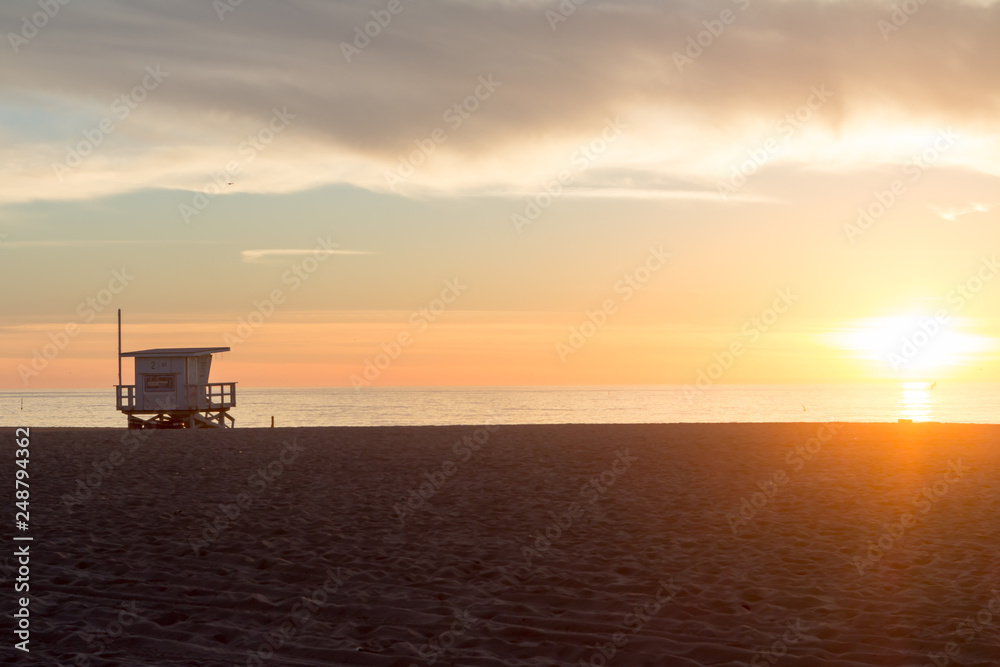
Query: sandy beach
[{"x": 688, "y": 545}]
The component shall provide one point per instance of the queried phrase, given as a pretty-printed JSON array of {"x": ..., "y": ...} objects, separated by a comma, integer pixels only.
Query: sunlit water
[{"x": 977, "y": 403}]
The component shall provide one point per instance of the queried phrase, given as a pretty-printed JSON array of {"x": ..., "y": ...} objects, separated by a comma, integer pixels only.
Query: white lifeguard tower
[{"x": 172, "y": 390}]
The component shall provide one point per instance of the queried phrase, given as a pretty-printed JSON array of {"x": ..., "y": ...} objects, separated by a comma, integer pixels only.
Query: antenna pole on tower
[{"x": 119, "y": 347}]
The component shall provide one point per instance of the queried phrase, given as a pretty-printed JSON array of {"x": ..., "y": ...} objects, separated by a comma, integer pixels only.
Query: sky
[{"x": 502, "y": 192}]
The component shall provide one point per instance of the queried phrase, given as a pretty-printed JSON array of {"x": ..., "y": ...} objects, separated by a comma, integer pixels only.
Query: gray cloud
[{"x": 605, "y": 59}]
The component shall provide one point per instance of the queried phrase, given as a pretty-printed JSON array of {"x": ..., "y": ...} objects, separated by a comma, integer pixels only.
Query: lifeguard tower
[{"x": 172, "y": 390}]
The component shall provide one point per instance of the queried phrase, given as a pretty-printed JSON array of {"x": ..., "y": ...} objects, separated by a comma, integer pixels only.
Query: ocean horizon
[{"x": 438, "y": 406}]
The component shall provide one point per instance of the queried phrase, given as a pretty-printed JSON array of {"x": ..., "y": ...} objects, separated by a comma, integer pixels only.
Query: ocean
[{"x": 338, "y": 406}]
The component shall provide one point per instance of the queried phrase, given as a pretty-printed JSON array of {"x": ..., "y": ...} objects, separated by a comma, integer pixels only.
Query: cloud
[
  {"x": 276, "y": 254},
  {"x": 75, "y": 243},
  {"x": 953, "y": 213},
  {"x": 357, "y": 121}
]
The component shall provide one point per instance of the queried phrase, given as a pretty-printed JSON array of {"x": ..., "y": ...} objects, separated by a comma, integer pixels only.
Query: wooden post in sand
[{"x": 272, "y": 421}]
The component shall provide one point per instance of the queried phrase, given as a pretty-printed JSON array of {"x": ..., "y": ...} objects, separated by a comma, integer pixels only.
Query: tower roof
[{"x": 176, "y": 352}]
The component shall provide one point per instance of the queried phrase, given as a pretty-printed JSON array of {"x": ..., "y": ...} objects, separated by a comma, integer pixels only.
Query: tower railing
[
  {"x": 208, "y": 396},
  {"x": 126, "y": 396},
  {"x": 212, "y": 395}
]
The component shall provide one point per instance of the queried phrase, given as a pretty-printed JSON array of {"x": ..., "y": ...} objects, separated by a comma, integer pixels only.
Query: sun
[{"x": 913, "y": 345}]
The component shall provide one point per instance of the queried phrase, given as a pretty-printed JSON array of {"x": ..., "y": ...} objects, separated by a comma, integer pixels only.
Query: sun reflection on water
[{"x": 915, "y": 401}]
